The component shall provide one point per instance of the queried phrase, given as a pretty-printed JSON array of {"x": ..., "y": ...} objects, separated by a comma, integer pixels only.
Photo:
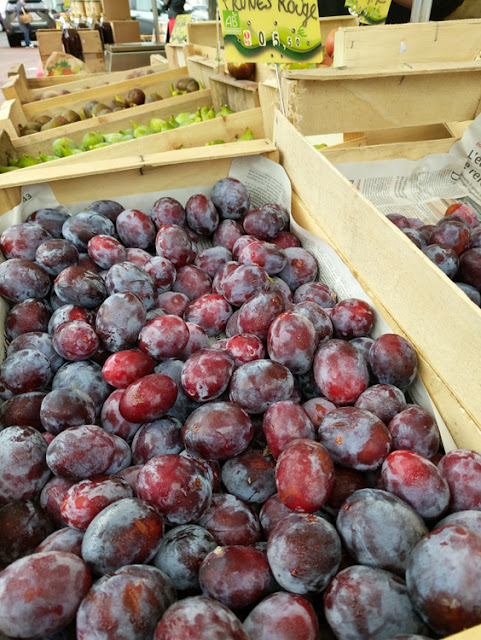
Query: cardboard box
[
  {"x": 116, "y": 9},
  {"x": 125, "y": 31}
]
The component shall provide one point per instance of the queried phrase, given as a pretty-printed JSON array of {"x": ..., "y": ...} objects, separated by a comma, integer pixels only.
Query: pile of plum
[
  {"x": 453, "y": 244},
  {"x": 159, "y": 481}
]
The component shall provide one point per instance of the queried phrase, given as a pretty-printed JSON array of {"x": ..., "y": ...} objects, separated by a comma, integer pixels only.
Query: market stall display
[{"x": 240, "y": 380}]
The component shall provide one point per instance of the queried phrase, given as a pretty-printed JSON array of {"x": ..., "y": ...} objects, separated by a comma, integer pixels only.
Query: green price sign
[
  {"x": 282, "y": 31},
  {"x": 370, "y": 11}
]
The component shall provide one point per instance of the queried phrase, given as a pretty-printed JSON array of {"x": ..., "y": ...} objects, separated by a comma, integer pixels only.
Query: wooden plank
[
  {"x": 388, "y": 263},
  {"x": 227, "y": 128},
  {"x": 114, "y": 122},
  {"x": 105, "y": 176},
  {"x": 337, "y": 100},
  {"x": 364, "y": 152},
  {"x": 7, "y": 150},
  {"x": 11, "y": 118},
  {"x": 396, "y": 44},
  {"x": 202, "y": 69},
  {"x": 236, "y": 94},
  {"x": 159, "y": 82},
  {"x": 469, "y": 634},
  {"x": 16, "y": 88},
  {"x": 203, "y": 33},
  {"x": 269, "y": 101},
  {"x": 177, "y": 54}
]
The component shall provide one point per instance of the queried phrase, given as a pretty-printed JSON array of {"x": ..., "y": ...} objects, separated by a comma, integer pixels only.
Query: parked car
[
  {"x": 41, "y": 20},
  {"x": 142, "y": 11}
]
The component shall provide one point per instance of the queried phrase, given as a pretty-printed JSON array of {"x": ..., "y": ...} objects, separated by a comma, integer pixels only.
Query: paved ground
[{"x": 10, "y": 55}]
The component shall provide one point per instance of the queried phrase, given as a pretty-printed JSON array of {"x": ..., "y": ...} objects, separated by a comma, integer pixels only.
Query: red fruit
[
  {"x": 330, "y": 42},
  {"x": 148, "y": 399},
  {"x": 125, "y": 367},
  {"x": 340, "y": 372}
]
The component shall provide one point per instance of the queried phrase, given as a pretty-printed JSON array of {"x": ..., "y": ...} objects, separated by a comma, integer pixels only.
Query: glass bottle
[{"x": 72, "y": 43}]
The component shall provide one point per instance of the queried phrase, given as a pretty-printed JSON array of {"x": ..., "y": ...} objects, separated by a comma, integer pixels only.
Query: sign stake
[{"x": 279, "y": 88}]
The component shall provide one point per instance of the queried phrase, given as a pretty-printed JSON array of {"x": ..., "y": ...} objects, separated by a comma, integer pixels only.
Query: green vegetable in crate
[
  {"x": 101, "y": 145},
  {"x": 91, "y": 139},
  {"x": 173, "y": 122},
  {"x": 43, "y": 158},
  {"x": 185, "y": 118},
  {"x": 206, "y": 113},
  {"x": 156, "y": 124},
  {"x": 63, "y": 147},
  {"x": 320, "y": 146},
  {"x": 224, "y": 111},
  {"x": 247, "y": 135},
  {"x": 113, "y": 138},
  {"x": 8, "y": 169},
  {"x": 208, "y": 144},
  {"x": 141, "y": 130},
  {"x": 26, "y": 160}
]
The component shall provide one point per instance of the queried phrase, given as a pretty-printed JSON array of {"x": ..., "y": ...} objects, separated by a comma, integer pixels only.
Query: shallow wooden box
[
  {"x": 159, "y": 82},
  {"x": 397, "y": 45},
  {"x": 341, "y": 100},
  {"x": 19, "y": 88},
  {"x": 227, "y": 128},
  {"x": 44, "y": 82},
  {"x": 325, "y": 203}
]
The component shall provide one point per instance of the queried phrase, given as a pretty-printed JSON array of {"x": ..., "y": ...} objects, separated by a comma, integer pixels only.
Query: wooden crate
[
  {"x": 202, "y": 69},
  {"x": 236, "y": 94},
  {"x": 389, "y": 265},
  {"x": 396, "y": 45},
  {"x": 50, "y": 40},
  {"x": 177, "y": 54},
  {"x": 336, "y": 100},
  {"x": 18, "y": 69},
  {"x": 41, "y": 142},
  {"x": 18, "y": 87},
  {"x": 204, "y": 33},
  {"x": 318, "y": 192},
  {"x": 157, "y": 82},
  {"x": 226, "y": 128}
]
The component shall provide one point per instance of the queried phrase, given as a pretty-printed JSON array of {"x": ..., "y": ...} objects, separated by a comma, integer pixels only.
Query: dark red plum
[
  {"x": 24, "y": 371},
  {"x": 250, "y": 476},
  {"x": 451, "y": 235},
  {"x": 283, "y": 422},
  {"x": 106, "y": 251},
  {"x": 304, "y": 475},
  {"x": 66, "y": 539},
  {"x": 135, "y": 229},
  {"x": 87, "y": 498},
  {"x": 300, "y": 269},
  {"x": 211, "y": 259},
  {"x": 202, "y": 216},
  {"x": 206, "y": 374},
  {"x": 469, "y": 270},
  {"x": 164, "y": 337},
  {"x": 258, "y": 313},
  {"x": 316, "y": 292},
  {"x": 417, "y": 481},
  {"x": 231, "y": 521},
  {"x": 65, "y": 408},
  {"x": 128, "y": 531},
  {"x": 83, "y": 226},
  {"x": 22, "y": 240},
  {"x": 243, "y": 283},
  {"x": 22, "y": 411},
  {"x": 34, "y": 601},
  {"x": 384, "y": 400},
  {"x": 38, "y": 341},
  {"x": 52, "y": 496},
  {"x": 23, "y": 471},
  {"x": 292, "y": 341},
  {"x": 162, "y": 271},
  {"x": 173, "y": 302},
  {"x": 157, "y": 438},
  {"x": 149, "y": 398},
  {"x": 263, "y": 254},
  {"x": 23, "y": 279},
  {"x": 352, "y": 318},
  {"x": 446, "y": 259},
  {"x": 113, "y": 421},
  {"x": 230, "y": 198},
  {"x": 284, "y": 616},
  {"x": 245, "y": 348},
  {"x": 108, "y": 208},
  {"x": 393, "y": 360},
  {"x": 256, "y": 385},
  {"x": 75, "y": 340},
  {"x": 176, "y": 487},
  {"x": 379, "y": 529},
  {"x": 173, "y": 243},
  {"x": 290, "y": 553},
  {"x": 51, "y": 219},
  {"x": 125, "y": 367},
  {"x": 168, "y": 211},
  {"x": 346, "y": 481},
  {"x": 26, "y": 316},
  {"x": 210, "y": 311},
  {"x": 266, "y": 222},
  {"x": 23, "y": 526},
  {"x": 462, "y": 470},
  {"x": 319, "y": 318},
  {"x": 128, "y": 277},
  {"x": 366, "y": 602},
  {"x": 199, "y": 618},
  {"x": 85, "y": 376},
  {"x": 80, "y": 286},
  {"x": 181, "y": 553},
  {"x": 55, "y": 255},
  {"x": 316, "y": 409},
  {"x": 203, "y": 426},
  {"x": 340, "y": 372},
  {"x": 235, "y": 575},
  {"x": 415, "y": 428},
  {"x": 440, "y": 574},
  {"x": 227, "y": 234}
]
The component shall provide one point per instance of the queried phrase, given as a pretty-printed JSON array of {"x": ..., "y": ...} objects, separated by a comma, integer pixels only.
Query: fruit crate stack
[{"x": 19, "y": 87}]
